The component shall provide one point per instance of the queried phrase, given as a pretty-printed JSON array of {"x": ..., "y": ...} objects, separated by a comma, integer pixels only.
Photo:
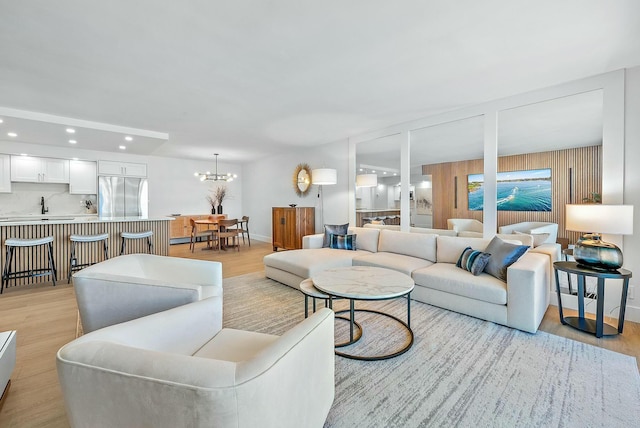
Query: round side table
[{"x": 597, "y": 326}]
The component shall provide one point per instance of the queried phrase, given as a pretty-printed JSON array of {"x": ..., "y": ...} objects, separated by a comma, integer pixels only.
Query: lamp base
[{"x": 591, "y": 252}]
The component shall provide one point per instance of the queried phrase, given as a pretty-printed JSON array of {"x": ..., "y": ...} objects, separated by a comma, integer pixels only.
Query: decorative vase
[
  {"x": 213, "y": 210},
  {"x": 592, "y": 252},
  {"x": 219, "y": 209}
]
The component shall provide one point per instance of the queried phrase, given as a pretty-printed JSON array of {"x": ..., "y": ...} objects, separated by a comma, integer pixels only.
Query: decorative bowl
[{"x": 293, "y": 205}]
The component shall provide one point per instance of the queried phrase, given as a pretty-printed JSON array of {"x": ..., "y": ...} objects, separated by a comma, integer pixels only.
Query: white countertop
[{"x": 44, "y": 219}]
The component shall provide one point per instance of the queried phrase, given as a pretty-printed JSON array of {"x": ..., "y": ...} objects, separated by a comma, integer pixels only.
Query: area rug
[{"x": 461, "y": 371}]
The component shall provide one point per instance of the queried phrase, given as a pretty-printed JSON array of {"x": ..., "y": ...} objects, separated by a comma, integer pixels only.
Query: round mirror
[{"x": 302, "y": 179}]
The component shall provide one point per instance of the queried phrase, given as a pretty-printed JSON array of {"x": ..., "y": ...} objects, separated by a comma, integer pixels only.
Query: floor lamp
[{"x": 323, "y": 177}]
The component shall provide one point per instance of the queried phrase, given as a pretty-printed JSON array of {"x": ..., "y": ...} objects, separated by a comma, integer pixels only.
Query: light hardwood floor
[{"x": 45, "y": 318}]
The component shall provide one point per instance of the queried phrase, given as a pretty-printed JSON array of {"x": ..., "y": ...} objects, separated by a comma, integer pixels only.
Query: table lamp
[{"x": 590, "y": 251}]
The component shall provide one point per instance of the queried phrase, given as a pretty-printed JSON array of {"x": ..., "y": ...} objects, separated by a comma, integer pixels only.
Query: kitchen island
[
  {"x": 60, "y": 227},
  {"x": 362, "y": 213}
]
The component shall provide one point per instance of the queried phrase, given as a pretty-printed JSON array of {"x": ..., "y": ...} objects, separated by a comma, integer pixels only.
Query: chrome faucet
[{"x": 44, "y": 210}]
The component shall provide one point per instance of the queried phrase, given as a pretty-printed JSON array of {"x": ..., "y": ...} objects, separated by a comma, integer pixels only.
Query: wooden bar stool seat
[
  {"x": 76, "y": 239},
  {"x": 12, "y": 244}
]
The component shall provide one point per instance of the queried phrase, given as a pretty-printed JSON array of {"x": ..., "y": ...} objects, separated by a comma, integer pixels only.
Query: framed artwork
[
  {"x": 517, "y": 190},
  {"x": 424, "y": 201}
]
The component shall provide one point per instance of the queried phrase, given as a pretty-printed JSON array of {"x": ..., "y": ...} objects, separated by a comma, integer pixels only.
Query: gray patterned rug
[{"x": 461, "y": 371}]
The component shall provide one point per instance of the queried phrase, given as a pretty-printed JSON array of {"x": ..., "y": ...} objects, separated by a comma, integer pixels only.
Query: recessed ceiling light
[
  {"x": 24, "y": 154},
  {"x": 71, "y": 130},
  {"x": 74, "y": 158},
  {"x": 384, "y": 172},
  {"x": 128, "y": 138},
  {"x": 122, "y": 147},
  {"x": 72, "y": 141},
  {"x": 12, "y": 134},
  {"x": 1, "y": 121}
]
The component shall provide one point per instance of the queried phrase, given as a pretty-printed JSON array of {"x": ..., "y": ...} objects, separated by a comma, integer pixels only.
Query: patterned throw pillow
[
  {"x": 335, "y": 229},
  {"x": 503, "y": 255},
  {"x": 473, "y": 261},
  {"x": 343, "y": 242}
]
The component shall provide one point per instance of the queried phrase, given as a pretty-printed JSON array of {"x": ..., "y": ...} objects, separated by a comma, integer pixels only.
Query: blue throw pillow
[
  {"x": 335, "y": 229},
  {"x": 473, "y": 261},
  {"x": 503, "y": 255},
  {"x": 343, "y": 242}
]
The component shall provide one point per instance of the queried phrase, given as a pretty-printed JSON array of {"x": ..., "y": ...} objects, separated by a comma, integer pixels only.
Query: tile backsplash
[{"x": 24, "y": 199}]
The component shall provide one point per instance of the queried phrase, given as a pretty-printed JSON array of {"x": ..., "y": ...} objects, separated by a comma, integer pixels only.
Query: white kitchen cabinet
[
  {"x": 83, "y": 177},
  {"x": 5, "y": 174},
  {"x": 125, "y": 169},
  {"x": 39, "y": 170}
]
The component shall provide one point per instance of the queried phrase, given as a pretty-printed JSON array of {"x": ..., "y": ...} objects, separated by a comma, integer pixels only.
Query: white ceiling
[{"x": 253, "y": 78}]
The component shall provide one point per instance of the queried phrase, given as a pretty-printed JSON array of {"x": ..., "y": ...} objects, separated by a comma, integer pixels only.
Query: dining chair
[
  {"x": 227, "y": 230},
  {"x": 210, "y": 234},
  {"x": 243, "y": 228}
]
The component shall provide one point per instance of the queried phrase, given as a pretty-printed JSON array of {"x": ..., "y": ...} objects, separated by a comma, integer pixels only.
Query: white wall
[
  {"x": 632, "y": 187},
  {"x": 269, "y": 183},
  {"x": 173, "y": 189}
]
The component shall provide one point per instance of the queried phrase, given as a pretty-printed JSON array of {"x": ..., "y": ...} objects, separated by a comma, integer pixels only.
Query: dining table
[{"x": 209, "y": 222}]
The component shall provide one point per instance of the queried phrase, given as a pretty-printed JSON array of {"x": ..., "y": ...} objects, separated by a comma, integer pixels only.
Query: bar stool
[
  {"x": 136, "y": 235},
  {"x": 11, "y": 245},
  {"x": 73, "y": 260},
  {"x": 366, "y": 220}
]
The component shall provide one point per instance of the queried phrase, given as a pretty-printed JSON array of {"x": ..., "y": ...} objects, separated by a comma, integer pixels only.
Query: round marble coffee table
[{"x": 367, "y": 283}]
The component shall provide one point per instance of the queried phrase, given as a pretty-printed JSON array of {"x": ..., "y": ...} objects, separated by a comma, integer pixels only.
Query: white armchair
[
  {"x": 132, "y": 286},
  {"x": 533, "y": 228},
  {"x": 465, "y": 225},
  {"x": 180, "y": 368}
]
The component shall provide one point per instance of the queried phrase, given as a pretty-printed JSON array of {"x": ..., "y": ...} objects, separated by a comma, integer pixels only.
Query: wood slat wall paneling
[
  {"x": 575, "y": 174},
  {"x": 25, "y": 258}
]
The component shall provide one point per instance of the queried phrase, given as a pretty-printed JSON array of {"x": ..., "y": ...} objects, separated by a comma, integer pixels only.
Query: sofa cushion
[
  {"x": 448, "y": 278},
  {"x": 367, "y": 238},
  {"x": 399, "y": 262},
  {"x": 503, "y": 255},
  {"x": 449, "y": 248},
  {"x": 538, "y": 238},
  {"x": 335, "y": 229},
  {"x": 473, "y": 261},
  {"x": 518, "y": 239},
  {"x": 421, "y": 245},
  {"x": 306, "y": 263},
  {"x": 343, "y": 242}
]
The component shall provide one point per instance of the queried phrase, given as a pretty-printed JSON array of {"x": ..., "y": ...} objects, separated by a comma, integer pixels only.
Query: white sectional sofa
[{"x": 431, "y": 260}]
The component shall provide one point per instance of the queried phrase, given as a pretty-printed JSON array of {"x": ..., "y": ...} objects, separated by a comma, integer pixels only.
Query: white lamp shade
[
  {"x": 324, "y": 176},
  {"x": 596, "y": 218},
  {"x": 366, "y": 180}
]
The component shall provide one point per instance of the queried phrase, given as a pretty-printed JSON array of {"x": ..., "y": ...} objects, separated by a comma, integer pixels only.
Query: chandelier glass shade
[{"x": 215, "y": 176}]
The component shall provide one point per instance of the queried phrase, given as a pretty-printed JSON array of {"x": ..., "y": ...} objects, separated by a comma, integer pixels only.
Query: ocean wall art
[{"x": 517, "y": 190}]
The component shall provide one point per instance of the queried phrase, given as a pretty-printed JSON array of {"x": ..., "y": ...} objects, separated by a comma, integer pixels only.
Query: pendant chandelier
[{"x": 209, "y": 176}]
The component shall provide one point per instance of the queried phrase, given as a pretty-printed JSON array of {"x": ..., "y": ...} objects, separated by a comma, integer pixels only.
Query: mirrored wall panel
[
  {"x": 378, "y": 181},
  {"x": 443, "y": 157},
  {"x": 549, "y": 155}
]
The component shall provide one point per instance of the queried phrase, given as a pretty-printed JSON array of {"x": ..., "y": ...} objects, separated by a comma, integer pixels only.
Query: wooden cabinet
[
  {"x": 5, "y": 174},
  {"x": 125, "y": 169},
  {"x": 83, "y": 179},
  {"x": 289, "y": 225},
  {"x": 181, "y": 226},
  {"x": 31, "y": 169}
]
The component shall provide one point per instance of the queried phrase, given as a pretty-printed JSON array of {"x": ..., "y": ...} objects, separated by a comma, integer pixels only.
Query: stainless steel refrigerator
[{"x": 123, "y": 197}]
